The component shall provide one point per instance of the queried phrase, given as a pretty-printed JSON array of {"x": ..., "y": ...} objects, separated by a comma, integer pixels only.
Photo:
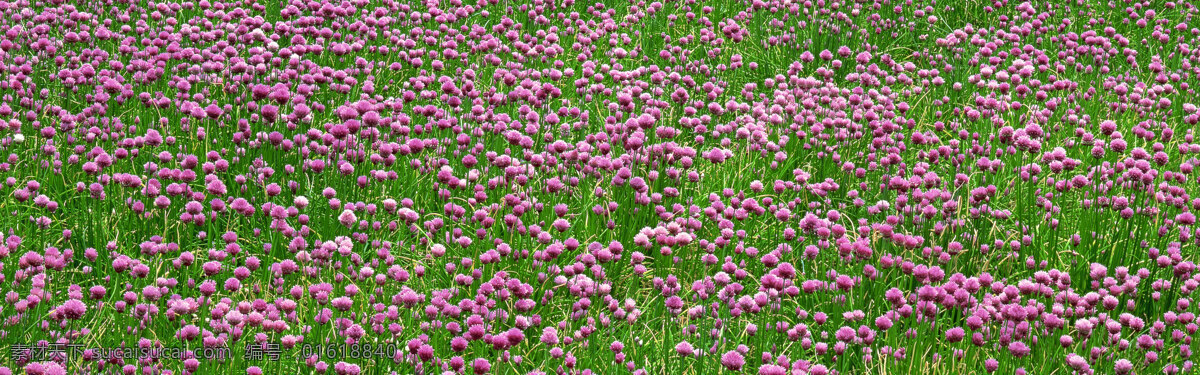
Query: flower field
[{"x": 776, "y": 187}]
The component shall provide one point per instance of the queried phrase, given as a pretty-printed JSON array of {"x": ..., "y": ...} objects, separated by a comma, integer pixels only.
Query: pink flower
[
  {"x": 347, "y": 218},
  {"x": 733, "y": 360},
  {"x": 72, "y": 309},
  {"x": 684, "y": 348}
]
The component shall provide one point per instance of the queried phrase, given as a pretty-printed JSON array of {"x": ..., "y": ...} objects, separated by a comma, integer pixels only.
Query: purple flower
[
  {"x": 684, "y": 349},
  {"x": 769, "y": 369},
  {"x": 733, "y": 360},
  {"x": 955, "y": 334},
  {"x": 480, "y": 366},
  {"x": 347, "y": 218},
  {"x": 72, "y": 309},
  {"x": 1077, "y": 362},
  {"x": 1018, "y": 349},
  {"x": 1123, "y": 366}
]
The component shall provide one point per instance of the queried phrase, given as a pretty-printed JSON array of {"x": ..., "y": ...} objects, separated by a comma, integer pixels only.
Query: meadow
[{"x": 776, "y": 187}]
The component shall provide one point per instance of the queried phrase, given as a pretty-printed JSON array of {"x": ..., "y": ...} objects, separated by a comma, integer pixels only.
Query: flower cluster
[{"x": 679, "y": 186}]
